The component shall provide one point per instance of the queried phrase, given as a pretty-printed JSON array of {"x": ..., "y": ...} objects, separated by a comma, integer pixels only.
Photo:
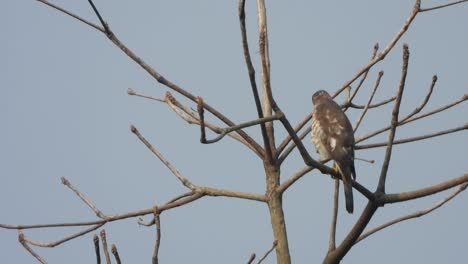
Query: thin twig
[
  {"x": 63, "y": 240},
  {"x": 226, "y": 131},
  {"x": 251, "y": 259},
  {"x": 441, "y": 6},
  {"x": 332, "y": 242},
  {"x": 291, "y": 180},
  {"x": 374, "y": 53},
  {"x": 158, "y": 234},
  {"x": 425, "y": 101},
  {"x": 24, "y": 243},
  {"x": 414, "y": 118},
  {"x": 96, "y": 248},
  {"x": 193, "y": 118},
  {"x": 387, "y": 49},
  {"x": 73, "y": 15},
  {"x": 268, "y": 252},
  {"x": 384, "y": 102},
  {"x": 104, "y": 246},
  {"x": 413, "y": 215},
  {"x": 83, "y": 198},
  {"x": 364, "y": 111},
  {"x": 174, "y": 171},
  {"x": 414, "y": 139},
  {"x": 130, "y": 91},
  {"x": 115, "y": 253},
  {"x": 394, "y": 122}
]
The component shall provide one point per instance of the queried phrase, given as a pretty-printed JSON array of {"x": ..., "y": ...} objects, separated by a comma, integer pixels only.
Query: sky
[{"x": 64, "y": 111}]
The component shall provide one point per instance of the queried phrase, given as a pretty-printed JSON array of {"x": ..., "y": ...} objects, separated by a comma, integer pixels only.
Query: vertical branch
[
  {"x": 253, "y": 83},
  {"x": 332, "y": 242},
  {"x": 394, "y": 122},
  {"x": 96, "y": 249},
  {"x": 267, "y": 96},
  {"x": 116, "y": 254},
  {"x": 104, "y": 246},
  {"x": 157, "y": 223}
]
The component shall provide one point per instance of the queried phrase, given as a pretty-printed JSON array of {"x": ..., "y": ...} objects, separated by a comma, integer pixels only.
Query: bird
[{"x": 333, "y": 137}]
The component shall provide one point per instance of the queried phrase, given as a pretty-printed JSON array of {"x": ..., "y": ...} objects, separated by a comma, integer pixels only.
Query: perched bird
[{"x": 333, "y": 137}]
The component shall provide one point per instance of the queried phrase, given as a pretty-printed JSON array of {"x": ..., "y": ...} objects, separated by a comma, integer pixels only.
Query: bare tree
[{"x": 272, "y": 153}]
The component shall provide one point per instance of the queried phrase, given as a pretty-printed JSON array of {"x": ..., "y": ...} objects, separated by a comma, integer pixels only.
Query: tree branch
[
  {"x": 414, "y": 139},
  {"x": 394, "y": 122},
  {"x": 83, "y": 198},
  {"x": 441, "y": 6},
  {"x": 414, "y": 118},
  {"x": 158, "y": 77},
  {"x": 332, "y": 241},
  {"x": 158, "y": 235},
  {"x": 413, "y": 215},
  {"x": 374, "y": 53},
  {"x": 253, "y": 83},
  {"x": 63, "y": 240},
  {"x": 23, "y": 242},
  {"x": 387, "y": 49},
  {"x": 364, "y": 111},
  {"x": 96, "y": 249},
  {"x": 268, "y": 252},
  {"x": 226, "y": 131},
  {"x": 115, "y": 253},
  {"x": 105, "y": 248},
  {"x": 405, "y": 196}
]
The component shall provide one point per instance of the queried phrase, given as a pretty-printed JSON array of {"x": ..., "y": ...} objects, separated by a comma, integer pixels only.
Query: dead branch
[
  {"x": 332, "y": 240},
  {"x": 226, "y": 131},
  {"x": 253, "y": 83},
  {"x": 425, "y": 101},
  {"x": 115, "y": 253},
  {"x": 414, "y": 139},
  {"x": 24, "y": 243},
  {"x": 268, "y": 252},
  {"x": 83, "y": 198},
  {"x": 414, "y": 118},
  {"x": 104, "y": 246},
  {"x": 251, "y": 259},
  {"x": 63, "y": 240},
  {"x": 364, "y": 111},
  {"x": 441, "y": 6},
  {"x": 394, "y": 122},
  {"x": 96, "y": 249},
  {"x": 405, "y": 196},
  {"x": 158, "y": 77},
  {"x": 413, "y": 215},
  {"x": 157, "y": 222}
]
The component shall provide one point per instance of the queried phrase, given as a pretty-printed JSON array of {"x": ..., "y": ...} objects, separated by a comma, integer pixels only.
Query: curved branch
[
  {"x": 405, "y": 196},
  {"x": 413, "y": 215}
]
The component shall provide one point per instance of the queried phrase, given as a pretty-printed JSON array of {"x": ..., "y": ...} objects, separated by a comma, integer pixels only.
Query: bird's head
[{"x": 319, "y": 96}]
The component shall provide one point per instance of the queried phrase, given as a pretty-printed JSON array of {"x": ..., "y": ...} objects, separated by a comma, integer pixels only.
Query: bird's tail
[
  {"x": 348, "y": 191},
  {"x": 346, "y": 173}
]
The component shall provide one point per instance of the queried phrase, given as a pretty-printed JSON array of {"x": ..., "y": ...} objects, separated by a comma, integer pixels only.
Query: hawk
[{"x": 333, "y": 137}]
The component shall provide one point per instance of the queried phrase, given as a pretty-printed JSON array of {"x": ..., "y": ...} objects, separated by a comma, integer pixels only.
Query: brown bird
[{"x": 333, "y": 137}]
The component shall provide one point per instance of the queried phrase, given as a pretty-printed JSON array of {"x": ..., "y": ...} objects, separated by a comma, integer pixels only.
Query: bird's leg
[{"x": 335, "y": 169}]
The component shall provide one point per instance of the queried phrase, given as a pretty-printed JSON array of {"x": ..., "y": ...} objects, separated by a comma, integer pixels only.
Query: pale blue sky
[{"x": 65, "y": 112}]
